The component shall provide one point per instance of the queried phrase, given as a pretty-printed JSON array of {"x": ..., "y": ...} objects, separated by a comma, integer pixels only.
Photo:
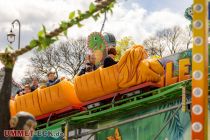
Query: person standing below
[
  {"x": 89, "y": 65},
  {"x": 52, "y": 79},
  {"x": 109, "y": 60},
  {"x": 35, "y": 84}
]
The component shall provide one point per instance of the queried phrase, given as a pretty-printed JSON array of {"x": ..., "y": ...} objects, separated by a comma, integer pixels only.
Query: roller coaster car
[
  {"x": 46, "y": 99},
  {"x": 98, "y": 101},
  {"x": 131, "y": 73}
]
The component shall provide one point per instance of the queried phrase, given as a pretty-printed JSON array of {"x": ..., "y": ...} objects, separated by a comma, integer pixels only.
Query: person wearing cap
[
  {"x": 52, "y": 79},
  {"x": 89, "y": 65},
  {"x": 109, "y": 60}
]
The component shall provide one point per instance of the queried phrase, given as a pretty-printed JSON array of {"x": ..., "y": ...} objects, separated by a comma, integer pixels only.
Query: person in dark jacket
[
  {"x": 19, "y": 92},
  {"x": 89, "y": 65},
  {"x": 109, "y": 60},
  {"x": 35, "y": 84},
  {"x": 52, "y": 79}
]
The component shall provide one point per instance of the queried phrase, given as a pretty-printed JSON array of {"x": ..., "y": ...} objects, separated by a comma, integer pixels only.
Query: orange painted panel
[
  {"x": 200, "y": 70},
  {"x": 96, "y": 84},
  {"x": 170, "y": 79},
  {"x": 184, "y": 69},
  {"x": 29, "y": 103},
  {"x": 57, "y": 97}
]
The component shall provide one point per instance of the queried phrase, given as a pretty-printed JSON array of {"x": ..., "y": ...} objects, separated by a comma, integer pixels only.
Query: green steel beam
[{"x": 137, "y": 102}]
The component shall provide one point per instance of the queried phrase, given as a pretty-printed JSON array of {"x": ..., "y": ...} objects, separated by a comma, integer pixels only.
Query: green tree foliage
[{"x": 122, "y": 45}]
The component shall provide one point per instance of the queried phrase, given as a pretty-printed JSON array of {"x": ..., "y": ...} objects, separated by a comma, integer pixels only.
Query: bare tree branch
[
  {"x": 173, "y": 39},
  {"x": 66, "y": 57}
]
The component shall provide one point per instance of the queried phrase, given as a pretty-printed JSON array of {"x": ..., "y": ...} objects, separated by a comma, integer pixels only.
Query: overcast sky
[{"x": 136, "y": 18}]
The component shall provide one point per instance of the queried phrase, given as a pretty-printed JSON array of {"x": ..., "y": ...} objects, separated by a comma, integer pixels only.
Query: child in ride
[{"x": 52, "y": 79}]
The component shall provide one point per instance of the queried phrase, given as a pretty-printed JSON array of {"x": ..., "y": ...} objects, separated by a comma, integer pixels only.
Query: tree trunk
[{"x": 5, "y": 94}]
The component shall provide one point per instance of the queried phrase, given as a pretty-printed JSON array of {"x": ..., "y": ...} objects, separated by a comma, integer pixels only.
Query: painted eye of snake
[{"x": 190, "y": 11}]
